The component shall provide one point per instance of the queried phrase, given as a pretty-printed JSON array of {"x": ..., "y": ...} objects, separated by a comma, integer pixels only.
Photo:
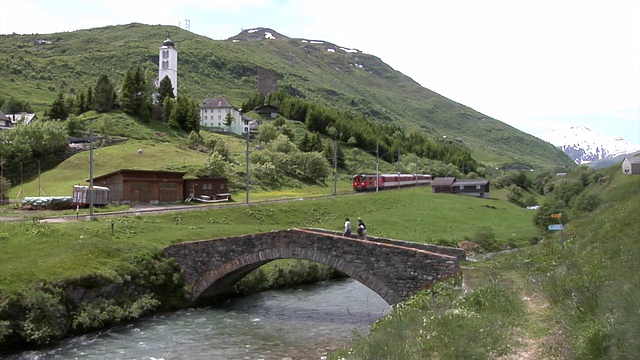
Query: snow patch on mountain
[{"x": 585, "y": 146}]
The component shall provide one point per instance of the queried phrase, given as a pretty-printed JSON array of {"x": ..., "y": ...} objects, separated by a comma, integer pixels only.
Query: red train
[{"x": 364, "y": 182}]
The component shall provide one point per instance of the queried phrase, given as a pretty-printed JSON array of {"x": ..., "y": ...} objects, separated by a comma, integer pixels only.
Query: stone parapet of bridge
[{"x": 394, "y": 269}]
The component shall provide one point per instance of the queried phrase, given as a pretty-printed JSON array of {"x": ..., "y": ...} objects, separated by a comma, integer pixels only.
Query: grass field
[
  {"x": 50, "y": 251},
  {"x": 534, "y": 303}
]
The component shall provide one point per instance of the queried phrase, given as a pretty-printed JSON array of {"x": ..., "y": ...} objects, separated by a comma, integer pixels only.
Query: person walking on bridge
[
  {"x": 362, "y": 229},
  {"x": 347, "y": 228}
]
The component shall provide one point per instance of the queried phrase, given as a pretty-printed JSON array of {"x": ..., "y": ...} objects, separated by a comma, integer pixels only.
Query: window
[
  {"x": 221, "y": 186},
  {"x": 165, "y": 54},
  {"x": 478, "y": 187},
  {"x": 461, "y": 187}
]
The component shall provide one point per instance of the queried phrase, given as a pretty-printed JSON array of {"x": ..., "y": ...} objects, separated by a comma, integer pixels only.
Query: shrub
[
  {"x": 586, "y": 202},
  {"x": 44, "y": 317},
  {"x": 486, "y": 237}
]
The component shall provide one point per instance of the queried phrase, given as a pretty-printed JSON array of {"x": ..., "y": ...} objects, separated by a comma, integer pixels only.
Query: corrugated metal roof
[{"x": 443, "y": 181}]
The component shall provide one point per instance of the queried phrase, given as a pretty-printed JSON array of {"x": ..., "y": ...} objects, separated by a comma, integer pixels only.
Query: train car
[
  {"x": 81, "y": 196},
  {"x": 365, "y": 182}
]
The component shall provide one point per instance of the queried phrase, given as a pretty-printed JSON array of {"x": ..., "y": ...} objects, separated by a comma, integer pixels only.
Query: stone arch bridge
[{"x": 394, "y": 269}]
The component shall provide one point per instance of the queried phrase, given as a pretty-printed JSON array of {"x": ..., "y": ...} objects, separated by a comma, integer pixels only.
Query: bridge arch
[
  {"x": 393, "y": 269},
  {"x": 217, "y": 282}
]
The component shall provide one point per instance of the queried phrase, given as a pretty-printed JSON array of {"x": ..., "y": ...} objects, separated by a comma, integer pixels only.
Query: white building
[
  {"x": 631, "y": 165},
  {"x": 168, "y": 64},
  {"x": 213, "y": 113}
]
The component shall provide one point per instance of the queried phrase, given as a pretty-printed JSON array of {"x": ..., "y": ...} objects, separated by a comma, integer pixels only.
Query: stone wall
[
  {"x": 438, "y": 249},
  {"x": 391, "y": 269}
]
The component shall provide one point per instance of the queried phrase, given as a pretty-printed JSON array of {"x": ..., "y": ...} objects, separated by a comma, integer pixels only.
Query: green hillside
[{"x": 318, "y": 71}]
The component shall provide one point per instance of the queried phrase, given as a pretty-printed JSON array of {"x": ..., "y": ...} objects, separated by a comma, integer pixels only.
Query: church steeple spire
[{"x": 168, "y": 64}]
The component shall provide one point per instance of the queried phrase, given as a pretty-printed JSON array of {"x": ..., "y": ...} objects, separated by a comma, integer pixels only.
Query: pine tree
[
  {"x": 185, "y": 115},
  {"x": 89, "y": 100},
  {"x": 127, "y": 96},
  {"x": 167, "y": 107},
  {"x": 58, "y": 109},
  {"x": 104, "y": 95},
  {"x": 165, "y": 90},
  {"x": 228, "y": 120},
  {"x": 79, "y": 104},
  {"x": 135, "y": 98}
]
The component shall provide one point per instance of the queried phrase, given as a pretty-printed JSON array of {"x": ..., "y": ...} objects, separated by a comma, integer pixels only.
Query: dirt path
[{"x": 540, "y": 337}]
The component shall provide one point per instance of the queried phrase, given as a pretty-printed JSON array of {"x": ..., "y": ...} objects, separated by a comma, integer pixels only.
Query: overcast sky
[{"x": 536, "y": 65}]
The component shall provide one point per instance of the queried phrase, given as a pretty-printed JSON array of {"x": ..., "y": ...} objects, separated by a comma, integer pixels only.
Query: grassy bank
[
  {"x": 33, "y": 252},
  {"x": 532, "y": 303}
]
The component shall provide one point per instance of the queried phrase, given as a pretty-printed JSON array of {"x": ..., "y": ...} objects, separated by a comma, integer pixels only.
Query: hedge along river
[{"x": 301, "y": 323}]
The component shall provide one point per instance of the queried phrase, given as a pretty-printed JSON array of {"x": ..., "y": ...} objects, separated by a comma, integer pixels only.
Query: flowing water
[{"x": 302, "y": 323}]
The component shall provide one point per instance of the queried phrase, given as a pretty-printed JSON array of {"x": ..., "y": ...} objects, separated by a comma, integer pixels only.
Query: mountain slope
[
  {"x": 585, "y": 146},
  {"x": 342, "y": 78}
]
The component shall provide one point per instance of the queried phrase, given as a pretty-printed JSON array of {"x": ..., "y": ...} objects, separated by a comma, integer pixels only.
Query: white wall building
[
  {"x": 213, "y": 113},
  {"x": 168, "y": 64}
]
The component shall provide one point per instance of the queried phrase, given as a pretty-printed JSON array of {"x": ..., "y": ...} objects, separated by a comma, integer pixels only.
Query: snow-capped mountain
[{"x": 585, "y": 146}]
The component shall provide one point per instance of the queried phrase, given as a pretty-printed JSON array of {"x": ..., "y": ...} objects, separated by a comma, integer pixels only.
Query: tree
[
  {"x": 216, "y": 166},
  {"x": 135, "y": 98},
  {"x": 104, "y": 98},
  {"x": 185, "y": 115},
  {"x": 44, "y": 141},
  {"x": 194, "y": 140},
  {"x": 228, "y": 120},
  {"x": 288, "y": 132},
  {"x": 58, "y": 110},
  {"x": 79, "y": 104},
  {"x": 89, "y": 100},
  {"x": 266, "y": 133},
  {"x": 165, "y": 90},
  {"x": 5, "y": 185},
  {"x": 15, "y": 106},
  {"x": 167, "y": 108},
  {"x": 312, "y": 166}
]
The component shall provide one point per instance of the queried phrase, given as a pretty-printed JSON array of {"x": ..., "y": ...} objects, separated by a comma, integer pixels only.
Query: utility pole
[
  {"x": 398, "y": 167},
  {"x": 39, "y": 187},
  {"x": 377, "y": 165},
  {"x": 246, "y": 176},
  {"x": 335, "y": 167},
  {"x": 2, "y": 179},
  {"x": 91, "y": 174},
  {"x": 21, "y": 180}
]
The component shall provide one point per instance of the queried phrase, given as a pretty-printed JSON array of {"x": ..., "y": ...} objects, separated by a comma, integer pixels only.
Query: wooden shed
[
  {"x": 443, "y": 185},
  {"x": 631, "y": 165},
  {"x": 128, "y": 186},
  {"x": 267, "y": 111},
  {"x": 207, "y": 189},
  {"x": 450, "y": 185}
]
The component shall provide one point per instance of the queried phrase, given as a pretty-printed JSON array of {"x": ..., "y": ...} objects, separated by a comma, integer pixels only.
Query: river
[{"x": 302, "y": 323}]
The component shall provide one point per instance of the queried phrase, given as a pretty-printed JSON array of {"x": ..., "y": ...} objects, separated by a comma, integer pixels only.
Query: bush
[
  {"x": 486, "y": 237},
  {"x": 44, "y": 317},
  {"x": 586, "y": 202}
]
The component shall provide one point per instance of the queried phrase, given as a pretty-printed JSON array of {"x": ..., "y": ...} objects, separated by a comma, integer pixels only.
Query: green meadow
[
  {"x": 35, "y": 251},
  {"x": 532, "y": 303}
]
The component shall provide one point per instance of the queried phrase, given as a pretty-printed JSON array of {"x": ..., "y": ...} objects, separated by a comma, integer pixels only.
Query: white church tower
[{"x": 168, "y": 65}]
